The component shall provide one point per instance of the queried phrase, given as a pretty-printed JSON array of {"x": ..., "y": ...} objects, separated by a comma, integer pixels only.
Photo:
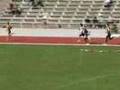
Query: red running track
[{"x": 55, "y": 40}]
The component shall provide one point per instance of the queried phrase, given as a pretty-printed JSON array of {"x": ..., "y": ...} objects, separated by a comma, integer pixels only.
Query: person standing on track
[
  {"x": 81, "y": 30},
  {"x": 84, "y": 33},
  {"x": 9, "y": 27},
  {"x": 81, "y": 33},
  {"x": 108, "y": 36}
]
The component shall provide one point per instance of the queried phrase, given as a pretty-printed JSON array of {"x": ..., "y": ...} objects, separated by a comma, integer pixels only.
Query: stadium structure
[
  {"x": 41, "y": 47},
  {"x": 58, "y": 21}
]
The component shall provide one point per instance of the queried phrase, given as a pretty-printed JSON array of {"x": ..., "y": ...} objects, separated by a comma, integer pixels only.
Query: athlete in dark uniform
[
  {"x": 9, "y": 27},
  {"x": 108, "y": 36},
  {"x": 86, "y": 34}
]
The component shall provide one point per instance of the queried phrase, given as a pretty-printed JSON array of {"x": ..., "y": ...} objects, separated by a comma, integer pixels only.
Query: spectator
[
  {"x": 18, "y": 11},
  {"x": 32, "y": 2},
  {"x": 87, "y": 22},
  {"x": 40, "y": 3},
  {"x": 45, "y": 17},
  {"x": 14, "y": 9},
  {"x": 59, "y": 26},
  {"x": 108, "y": 3},
  {"x": 11, "y": 6},
  {"x": 36, "y": 3},
  {"x": 95, "y": 22}
]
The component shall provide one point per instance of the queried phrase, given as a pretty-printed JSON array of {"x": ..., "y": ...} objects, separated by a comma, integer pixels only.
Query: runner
[
  {"x": 108, "y": 36},
  {"x": 9, "y": 27},
  {"x": 84, "y": 33}
]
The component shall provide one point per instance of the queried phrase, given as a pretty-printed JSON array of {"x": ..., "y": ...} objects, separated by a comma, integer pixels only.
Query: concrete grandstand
[
  {"x": 68, "y": 13},
  {"x": 63, "y": 14}
]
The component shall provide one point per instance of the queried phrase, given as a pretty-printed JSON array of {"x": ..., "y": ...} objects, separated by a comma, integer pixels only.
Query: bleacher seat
[{"x": 67, "y": 12}]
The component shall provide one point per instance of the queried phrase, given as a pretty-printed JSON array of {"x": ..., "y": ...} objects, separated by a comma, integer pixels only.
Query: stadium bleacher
[{"x": 68, "y": 13}]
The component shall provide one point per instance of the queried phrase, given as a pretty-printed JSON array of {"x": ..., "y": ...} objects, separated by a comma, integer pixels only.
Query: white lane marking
[{"x": 86, "y": 80}]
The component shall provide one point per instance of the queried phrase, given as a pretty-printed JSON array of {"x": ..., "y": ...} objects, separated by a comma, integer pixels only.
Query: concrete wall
[{"x": 4, "y": 4}]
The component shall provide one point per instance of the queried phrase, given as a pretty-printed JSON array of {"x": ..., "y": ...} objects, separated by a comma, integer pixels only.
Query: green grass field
[{"x": 59, "y": 68}]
